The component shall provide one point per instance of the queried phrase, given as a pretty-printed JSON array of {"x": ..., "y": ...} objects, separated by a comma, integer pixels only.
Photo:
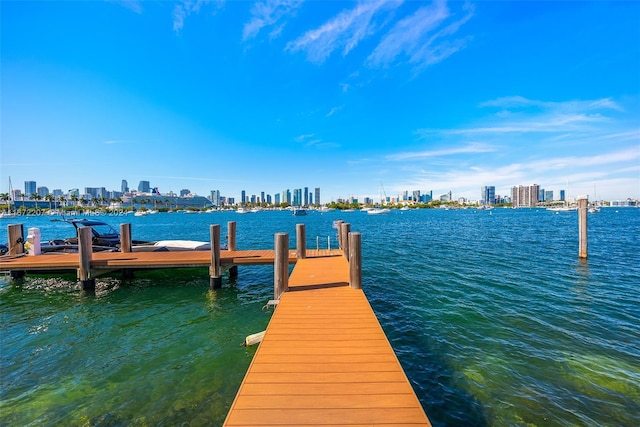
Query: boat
[
  {"x": 107, "y": 239},
  {"x": 8, "y": 214},
  {"x": 299, "y": 212},
  {"x": 378, "y": 211}
]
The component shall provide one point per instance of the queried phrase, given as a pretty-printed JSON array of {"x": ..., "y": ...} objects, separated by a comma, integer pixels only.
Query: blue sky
[{"x": 346, "y": 96}]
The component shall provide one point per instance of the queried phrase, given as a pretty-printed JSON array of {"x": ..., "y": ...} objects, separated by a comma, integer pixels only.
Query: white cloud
[
  {"x": 186, "y": 8},
  {"x": 268, "y": 13},
  {"x": 472, "y": 148},
  {"x": 411, "y": 37},
  {"x": 345, "y": 31}
]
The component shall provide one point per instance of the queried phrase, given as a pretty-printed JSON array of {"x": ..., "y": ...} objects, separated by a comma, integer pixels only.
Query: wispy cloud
[
  {"x": 417, "y": 40},
  {"x": 345, "y": 31},
  {"x": 334, "y": 110},
  {"x": 185, "y": 8},
  {"x": 467, "y": 149},
  {"x": 269, "y": 13},
  {"x": 133, "y": 5}
]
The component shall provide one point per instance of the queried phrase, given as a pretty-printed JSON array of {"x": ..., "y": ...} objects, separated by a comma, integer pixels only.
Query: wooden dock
[{"x": 325, "y": 360}]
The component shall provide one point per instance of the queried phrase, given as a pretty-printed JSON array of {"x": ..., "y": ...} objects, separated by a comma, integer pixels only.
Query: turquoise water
[{"x": 493, "y": 316}]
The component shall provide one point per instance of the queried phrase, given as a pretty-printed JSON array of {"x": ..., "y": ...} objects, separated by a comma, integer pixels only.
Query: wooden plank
[{"x": 325, "y": 360}]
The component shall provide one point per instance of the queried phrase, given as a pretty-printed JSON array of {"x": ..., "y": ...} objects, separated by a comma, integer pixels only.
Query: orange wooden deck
[
  {"x": 142, "y": 260},
  {"x": 325, "y": 360}
]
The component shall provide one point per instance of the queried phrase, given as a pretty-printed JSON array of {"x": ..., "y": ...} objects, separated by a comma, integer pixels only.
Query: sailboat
[
  {"x": 9, "y": 214},
  {"x": 595, "y": 208},
  {"x": 380, "y": 210}
]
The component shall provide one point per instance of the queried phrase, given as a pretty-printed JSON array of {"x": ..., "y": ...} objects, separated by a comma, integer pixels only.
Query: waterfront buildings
[
  {"x": 29, "y": 188},
  {"x": 488, "y": 195},
  {"x": 525, "y": 196}
]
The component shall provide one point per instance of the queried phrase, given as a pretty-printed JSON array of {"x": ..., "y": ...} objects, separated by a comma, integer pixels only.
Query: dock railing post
[
  {"x": 231, "y": 245},
  {"x": 215, "y": 278},
  {"x": 15, "y": 234},
  {"x": 301, "y": 241},
  {"x": 85, "y": 253},
  {"x": 355, "y": 260},
  {"x": 583, "y": 201},
  {"x": 346, "y": 228},
  {"x": 281, "y": 265},
  {"x": 125, "y": 246}
]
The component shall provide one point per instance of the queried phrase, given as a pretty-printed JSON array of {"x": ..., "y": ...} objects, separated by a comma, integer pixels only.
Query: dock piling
[
  {"x": 231, "y": 245},
  {"x": 338, "y": 225},
  {"x": 125, "y": 247},
  {"x": 301, "y": 241},
  {"x": 583, "y": 201},
  {"x": 215, "y": 278},
  {"x": 345, "y": 228},
  {"x": 281, "y": 265},
  {"x": 355, "y": 260},
  {"x": 15, "y": 234},
  {"x": 85, "y": 253}
]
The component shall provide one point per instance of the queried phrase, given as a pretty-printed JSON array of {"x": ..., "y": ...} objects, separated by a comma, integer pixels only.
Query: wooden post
[
  {"x": 301, "y": 241},
  {"x": 346, "y": 228},
  {"x": 125, "y": 237},
  {"x": 339, "y": 227},
  {"x": 583, "y": 201},
  {"x": 231, "y": 245},
  {"x": 15, "y": 234},
  {"x": 281, "y": 265},
  {"x": 85, "y": 253},
  {"x": 125, "y": 247},
  {"x": 355, "y": 261},
  {"x": 215, "y": 279}
]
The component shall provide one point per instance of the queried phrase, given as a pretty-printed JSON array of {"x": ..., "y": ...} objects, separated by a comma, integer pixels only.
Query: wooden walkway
[
  {"x": 325, "y": 360},
  {"x": 146, "y": 260}
]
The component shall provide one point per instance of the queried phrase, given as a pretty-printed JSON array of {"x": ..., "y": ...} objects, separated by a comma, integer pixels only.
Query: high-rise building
[
  {"x": 488, "y": 195},
  {"x": 29, "y": 188},
  {"x": 124, "y": 187},
  {"x": 525, "y": 196},
  {"x": 42, "y": 191},
  {"x": 316, "y": 197},
  {"x": 215, "y": 198},
  {"x": 562, "y": 196},
  {"x": 548, "y": 196},
  {"x": 243, "y": 197},
  {"x": 306, "y": 196},
  {"x": 144, "y": 186},
  {"x": 297, "y": 197}
]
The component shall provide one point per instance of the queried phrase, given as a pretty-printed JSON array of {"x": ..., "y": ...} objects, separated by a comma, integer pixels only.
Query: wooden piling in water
[
  {"x": 281, "y": 265},
  {"x": 345, "y": 229},
  {"x": 125, "y": 246},
  {"x": 583, "y": 201},
  {"x": 338, "y": 225},
  {"x": 15, "y": 234},
  {"x": 355, "y": 260},
  {"x": 85, "y": 253},
  {"x": 231, "y": 245},
  {"x": 215, "y": 278},
  {"x": 301, "y": 241}
]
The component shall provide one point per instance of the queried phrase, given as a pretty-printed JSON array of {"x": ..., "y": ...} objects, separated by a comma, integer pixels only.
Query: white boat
[
  {"x": 140, "y": 213},
  {"x": 299, "y": 212},
  {"x": 378, "y": 211}
]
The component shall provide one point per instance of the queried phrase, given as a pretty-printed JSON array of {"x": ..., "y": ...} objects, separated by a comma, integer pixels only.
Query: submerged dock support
[
  {"x": 85, "y": 253},
  {"x": 281, "y": 265},
  {"x": 215, "y": 278},
  {"x": 125, "y": 247},
  {"x": 301, "y": 241},
  {"x": 15, "y": 234},
  {"x": 355, "y": 260},
  {"x": 231, "y": 245},
  {"x": 583, "y": 201}
]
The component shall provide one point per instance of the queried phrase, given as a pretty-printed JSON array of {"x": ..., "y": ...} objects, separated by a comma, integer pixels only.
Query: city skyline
[
  {"x": 355, "y": 97},
  {"x": 293, "y": 195}
]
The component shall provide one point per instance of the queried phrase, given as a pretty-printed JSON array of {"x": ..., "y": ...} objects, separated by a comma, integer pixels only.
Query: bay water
[{"x": 493, "y": 316}]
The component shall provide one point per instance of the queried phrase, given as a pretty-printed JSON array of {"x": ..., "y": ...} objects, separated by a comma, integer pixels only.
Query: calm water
[{"x": 493, "y": 316}]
